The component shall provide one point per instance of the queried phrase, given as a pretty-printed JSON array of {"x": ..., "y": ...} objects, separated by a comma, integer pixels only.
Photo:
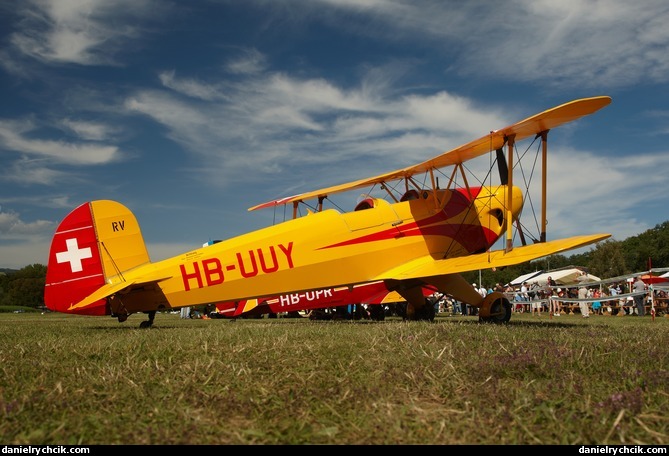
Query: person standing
[
  {"x": 583, "y": 295},
  {"x": 553, "y": 304},
  {"x": 534, "y": 298},
  {"x": 639, "y": 299},
  {"x": 524, "y": 298}
]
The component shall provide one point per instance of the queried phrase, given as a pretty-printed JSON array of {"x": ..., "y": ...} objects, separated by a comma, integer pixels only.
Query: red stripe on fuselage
[{"x": 473, "y": 237}]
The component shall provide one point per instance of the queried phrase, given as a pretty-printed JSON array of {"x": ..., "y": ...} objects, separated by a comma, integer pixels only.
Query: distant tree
[
  {"x": 608, "y": 260},
  {"x": 650, "y": 245},
  {"x": 581, "y": 260},
  {"x": 4, "y": 282},
  {"x": 26, "y": 287},
  {"x": 637, "y": 253},
  {"x": 553, "y": 262}
]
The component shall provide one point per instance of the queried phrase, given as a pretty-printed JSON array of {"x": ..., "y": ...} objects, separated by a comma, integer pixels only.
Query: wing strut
[
  {"x": 509, "y": 203},
  {"x": 544, "y": 175}
]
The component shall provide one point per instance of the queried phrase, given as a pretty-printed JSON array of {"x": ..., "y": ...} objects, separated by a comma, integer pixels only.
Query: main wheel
[{"x": 496, "y": 308}]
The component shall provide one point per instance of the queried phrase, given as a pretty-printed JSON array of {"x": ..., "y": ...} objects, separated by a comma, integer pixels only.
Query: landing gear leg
[{"x": 149, "y": 322}]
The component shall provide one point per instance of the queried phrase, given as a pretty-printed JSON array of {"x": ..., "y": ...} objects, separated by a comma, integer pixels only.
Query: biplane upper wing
[
  {"x": 428, "y": 266},
  {"x": 533, "y": 125}
]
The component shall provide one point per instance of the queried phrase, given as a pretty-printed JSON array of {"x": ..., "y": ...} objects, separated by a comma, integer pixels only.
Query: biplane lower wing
[
  {"x": 427, "y": 267},
  {"x": 445, "y": 275}
]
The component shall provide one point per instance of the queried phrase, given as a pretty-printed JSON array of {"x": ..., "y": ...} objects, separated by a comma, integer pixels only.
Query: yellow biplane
[{"x": 417, "y": 235}]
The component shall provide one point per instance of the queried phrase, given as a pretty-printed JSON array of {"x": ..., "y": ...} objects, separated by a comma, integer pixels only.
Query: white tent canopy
[
  {"x": 561, "y": 277},
  {"x": 524, "y": 278}
]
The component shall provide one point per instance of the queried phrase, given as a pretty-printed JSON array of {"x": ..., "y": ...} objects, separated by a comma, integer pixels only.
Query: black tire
[
  {"x": 401, "y": 309},
  {"x": 427, "y": 312},
  {"x": 377, "y": 312}
]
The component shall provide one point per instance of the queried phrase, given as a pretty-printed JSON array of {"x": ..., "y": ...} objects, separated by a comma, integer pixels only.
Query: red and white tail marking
[{"x": 75, "y": 269}]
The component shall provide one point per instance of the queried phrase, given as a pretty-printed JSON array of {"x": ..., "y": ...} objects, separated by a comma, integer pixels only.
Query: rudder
[{"x": 95, "y": 243}]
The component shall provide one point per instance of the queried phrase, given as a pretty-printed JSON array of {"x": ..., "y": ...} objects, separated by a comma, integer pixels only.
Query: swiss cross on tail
[{"x": 74, "y": 255}]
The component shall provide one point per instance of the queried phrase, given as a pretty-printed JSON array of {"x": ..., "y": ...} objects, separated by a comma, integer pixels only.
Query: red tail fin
[{"x": 74, "y": 269}]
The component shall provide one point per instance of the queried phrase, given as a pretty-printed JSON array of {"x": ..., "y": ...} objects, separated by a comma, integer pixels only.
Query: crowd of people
[{"x": 616, "y": 298}]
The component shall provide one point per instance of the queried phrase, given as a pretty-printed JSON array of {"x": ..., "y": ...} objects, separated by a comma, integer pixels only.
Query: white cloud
[
  {"x": 190, "y": 87},
  {"x": 12, "y": 227},
  {"x": 27, "y": 171},
  {"x": 14, "y": 137},
  {"x": 250, "y": 62},
  {"x": 584, "y": 186},
  {"x": 555, "y": 43},
  {"x": 92, "y": 131},
  {"x": 85, "y": 32}
]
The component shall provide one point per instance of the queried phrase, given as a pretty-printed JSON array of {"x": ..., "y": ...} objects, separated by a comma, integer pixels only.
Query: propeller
[{"x": 502, "y": 167}]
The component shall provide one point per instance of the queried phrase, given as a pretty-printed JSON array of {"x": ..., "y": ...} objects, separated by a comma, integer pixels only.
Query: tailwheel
[
  {"x": 149, "y": 322},
  {"x": 496, "y": 308}
]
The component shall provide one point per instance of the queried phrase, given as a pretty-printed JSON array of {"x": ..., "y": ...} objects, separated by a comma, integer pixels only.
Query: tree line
[{"x": 609, "y": 258}]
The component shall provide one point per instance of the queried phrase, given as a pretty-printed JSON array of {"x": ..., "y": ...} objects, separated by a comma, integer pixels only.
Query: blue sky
[{"x": 191, "y": 112}]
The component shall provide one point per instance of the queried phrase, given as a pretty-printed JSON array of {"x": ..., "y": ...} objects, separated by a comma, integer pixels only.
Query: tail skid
[{"x": 91, "y": 249}]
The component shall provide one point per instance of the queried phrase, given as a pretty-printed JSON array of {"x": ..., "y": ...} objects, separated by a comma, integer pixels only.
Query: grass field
[{"x": 538, "y": 380}]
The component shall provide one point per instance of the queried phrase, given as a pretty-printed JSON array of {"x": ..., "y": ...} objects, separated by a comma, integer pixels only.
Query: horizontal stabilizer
[
  {"x": 110, "y": 289},
  {"x": 427, "y": 266},
  {"x": 103, "y": 292}
]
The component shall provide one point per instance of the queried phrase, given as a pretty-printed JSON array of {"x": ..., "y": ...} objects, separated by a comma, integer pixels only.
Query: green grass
[
  {"x": 17, "y": 309},
  {"x": 566, "y": 380}
]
